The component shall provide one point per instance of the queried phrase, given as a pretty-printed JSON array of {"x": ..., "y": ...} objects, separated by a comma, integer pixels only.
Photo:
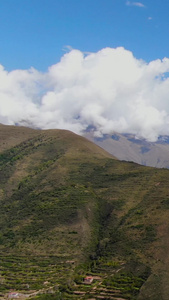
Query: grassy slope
[{"x": 67, "y": 200}]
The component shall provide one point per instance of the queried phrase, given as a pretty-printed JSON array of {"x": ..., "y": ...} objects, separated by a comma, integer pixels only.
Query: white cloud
[
  {"x": 109, "y": 91},
  {"x": 138, "y": 4}
]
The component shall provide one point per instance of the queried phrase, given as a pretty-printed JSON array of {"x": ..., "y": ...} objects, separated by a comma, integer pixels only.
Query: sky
[
  {"x": 73, "y": 64},
  {"x": 35, "y": 33}
]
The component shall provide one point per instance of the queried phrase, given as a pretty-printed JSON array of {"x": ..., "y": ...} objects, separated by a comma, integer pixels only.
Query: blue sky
[
  {"x": 101, "y": 64},
  {"x": 35, "y": 32}
]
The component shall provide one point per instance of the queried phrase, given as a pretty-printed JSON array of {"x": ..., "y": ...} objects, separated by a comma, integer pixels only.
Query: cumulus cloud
[
  {"x": 138, "y": 4},
  {"x": 107, "y": 91}
]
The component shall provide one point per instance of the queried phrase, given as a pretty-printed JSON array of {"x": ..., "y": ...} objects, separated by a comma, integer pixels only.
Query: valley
[{"x": 69, "y": 210}]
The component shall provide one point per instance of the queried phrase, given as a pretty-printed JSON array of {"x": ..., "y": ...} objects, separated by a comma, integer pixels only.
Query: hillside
[
  {"x": 69, "y": 209},
  {"x": 128, "y": 147}
]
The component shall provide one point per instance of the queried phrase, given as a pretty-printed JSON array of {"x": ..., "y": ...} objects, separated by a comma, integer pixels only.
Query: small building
[
  {"x": 13, "y": 295},
  {"x": 88, "y": 279}
]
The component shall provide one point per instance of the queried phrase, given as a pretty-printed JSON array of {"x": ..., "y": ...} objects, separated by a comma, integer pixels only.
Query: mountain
[
  {"x": 69, "y": 210},
  {"x": 128, "y": 147}
]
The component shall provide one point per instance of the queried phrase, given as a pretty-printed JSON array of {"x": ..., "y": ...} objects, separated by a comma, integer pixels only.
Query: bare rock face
[{"x": 129, "y": 148}]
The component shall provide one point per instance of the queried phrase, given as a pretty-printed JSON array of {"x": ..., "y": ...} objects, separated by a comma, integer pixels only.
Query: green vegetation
[{"x": 69, "y": 210}]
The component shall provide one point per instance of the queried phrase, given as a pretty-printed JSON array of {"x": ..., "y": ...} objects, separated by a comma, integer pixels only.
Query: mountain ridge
[
  {"x": 69, "y": 209},
  {"x": 13, "y": 135},
  {"x": 128, "y": 147}
]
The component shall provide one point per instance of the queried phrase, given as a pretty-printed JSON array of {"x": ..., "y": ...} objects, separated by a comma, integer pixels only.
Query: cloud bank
[{"x": 106, "y": 91}]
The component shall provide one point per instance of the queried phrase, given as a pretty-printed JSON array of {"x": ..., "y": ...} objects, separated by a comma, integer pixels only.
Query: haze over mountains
[
  {"x": 69, "y": 209},
  {"x": 130, "y": 148}
]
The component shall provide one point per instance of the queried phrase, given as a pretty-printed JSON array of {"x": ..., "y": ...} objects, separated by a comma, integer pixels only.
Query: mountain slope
[
  {"x": 68, "y": 208},
  {"x": 32, "y": 169},
  {"x": 128, "y": 147}
]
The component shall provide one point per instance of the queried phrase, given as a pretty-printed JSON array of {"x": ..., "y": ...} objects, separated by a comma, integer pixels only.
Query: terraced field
[
  {"x": 28, "y": 274},
  {"x": 68, "y": 210},
  {"x": 59, "y": 278}
]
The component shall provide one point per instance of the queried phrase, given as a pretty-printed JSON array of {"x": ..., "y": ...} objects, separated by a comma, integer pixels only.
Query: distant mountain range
[{"x": 129, "y": 148}]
